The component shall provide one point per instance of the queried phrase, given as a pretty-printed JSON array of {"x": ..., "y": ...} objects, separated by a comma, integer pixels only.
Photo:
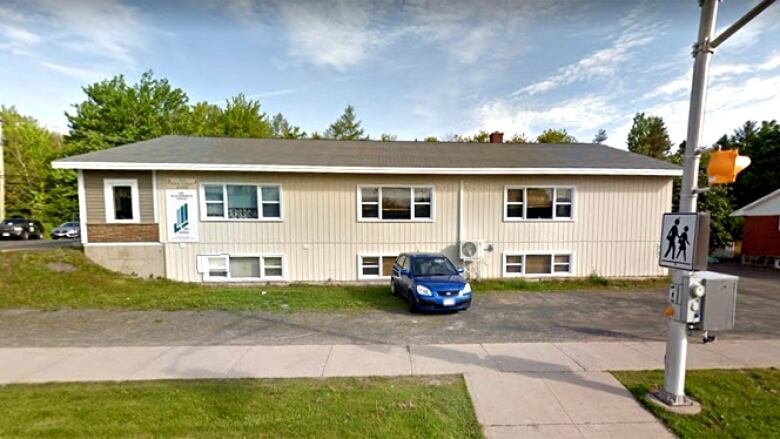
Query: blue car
[{"x": 430, "y": 282}]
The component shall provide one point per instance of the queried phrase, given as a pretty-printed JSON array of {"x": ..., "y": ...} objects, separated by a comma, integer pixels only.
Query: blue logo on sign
[{"x": 182, "y": 219}]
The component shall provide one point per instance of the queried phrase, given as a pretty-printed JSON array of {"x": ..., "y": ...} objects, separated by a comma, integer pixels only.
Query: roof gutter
[{"x": 359, "y": 169}]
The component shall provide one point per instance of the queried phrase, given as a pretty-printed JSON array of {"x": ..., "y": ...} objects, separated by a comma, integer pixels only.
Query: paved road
[
  {"x": 36, "y": 244},
  {"x": 497, "y": 318}
]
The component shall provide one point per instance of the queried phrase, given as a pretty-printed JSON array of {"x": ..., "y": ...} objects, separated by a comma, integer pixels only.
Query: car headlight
[
  {"x": 423, "y": 290},
  {"x": 466, "y": 289}
]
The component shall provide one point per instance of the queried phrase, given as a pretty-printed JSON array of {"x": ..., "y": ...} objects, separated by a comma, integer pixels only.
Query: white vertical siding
[{"x": 614, "y": 233}]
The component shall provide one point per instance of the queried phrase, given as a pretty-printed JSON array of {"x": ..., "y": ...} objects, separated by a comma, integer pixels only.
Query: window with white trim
[
  {"x": 241, "y": 202},
  {"x": 227, "y": 268},
  {"x": 121, "y": 200},
  {"x": 395, "y": 203},
  {"x": 375, "y": 266},
  {"x": 537, "y": 264},
  {"x": 538, "y": 203}
]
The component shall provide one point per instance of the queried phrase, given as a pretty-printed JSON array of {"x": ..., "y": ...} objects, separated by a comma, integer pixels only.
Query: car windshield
[
  {"x": 433, "y": 266},
  {"x": 64, "y": 225},
  {"x": 15, "y": 221}
]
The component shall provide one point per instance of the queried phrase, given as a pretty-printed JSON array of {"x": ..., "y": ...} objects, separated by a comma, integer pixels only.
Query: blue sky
[{"x": 411, "y": 68}]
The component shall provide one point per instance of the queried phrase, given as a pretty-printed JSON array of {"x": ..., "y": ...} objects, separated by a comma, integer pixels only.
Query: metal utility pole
[
  {"x": 2, "y": 173},
  {"x": 677, "y": 337}
]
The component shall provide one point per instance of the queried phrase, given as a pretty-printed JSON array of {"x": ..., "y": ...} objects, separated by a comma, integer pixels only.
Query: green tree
[
  {"x": 431, "y": 139},
  {"x": 204, "y": 120},
  {"x": 385, "y": 137},
  {"x": 648, "y": 136},
  {"x": 32, "y": 187},
  {"x": 283, "y": 130},
  {"x": 480, "y": 137},
  {"x": 762, "y": 144},
  {"x": 346, "y": 127},
  {"x": 555, "y": 136},
  {"x": 600, "y": 137},
  {"x": 518, "y": 138},
  {"x": 242, "y": 118},
  {"x": 115, "y": 113}
]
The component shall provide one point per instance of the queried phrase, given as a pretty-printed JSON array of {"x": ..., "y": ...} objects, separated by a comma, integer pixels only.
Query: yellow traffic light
[{"x": 725, "y": 165}]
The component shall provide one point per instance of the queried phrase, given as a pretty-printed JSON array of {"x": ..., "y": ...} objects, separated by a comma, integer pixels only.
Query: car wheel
[
  {"x": 410, "y": 300},
  {"x": 393, "y": 291},
  {"x": 25, "y": 236}
]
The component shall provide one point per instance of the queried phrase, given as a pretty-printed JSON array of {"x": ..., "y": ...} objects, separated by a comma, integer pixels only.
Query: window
[
  {"x": 395, "y": 203},
  {"x": 225, "y": 268},
  {"x": 241, "y": 202},
  {"x": 556, "y": 264},
  {"x": 538, "y": 203},
  {"x": 513, "y": 264},
  {"x": 121, "y": 200},
  {"x": 375, "y": 266}
]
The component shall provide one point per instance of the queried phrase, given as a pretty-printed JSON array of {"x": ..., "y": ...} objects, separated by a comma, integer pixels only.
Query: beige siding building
[{"x": 264, "y": 210}]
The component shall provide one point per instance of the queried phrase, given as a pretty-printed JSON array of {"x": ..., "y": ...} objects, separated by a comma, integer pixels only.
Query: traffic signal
[{"x": 725, "y": 165}]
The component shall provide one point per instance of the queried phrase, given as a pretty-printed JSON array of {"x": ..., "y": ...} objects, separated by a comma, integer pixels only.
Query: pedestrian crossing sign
[{"x": 681, "y": 241}]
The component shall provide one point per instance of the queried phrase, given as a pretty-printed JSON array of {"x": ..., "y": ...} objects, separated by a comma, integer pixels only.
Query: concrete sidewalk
[{"x": 518, "y": 389}]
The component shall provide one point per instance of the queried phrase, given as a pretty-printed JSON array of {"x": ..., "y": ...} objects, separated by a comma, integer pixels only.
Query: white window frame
[
  {"x": 552, "y": 255},
  {"x": 204, "y": 268},
  {"x": 360, "y": 265},
  {"x": 411, "y": 188},
  {"x": 108, "y": 197},
  {"x": 555, "y": 217},
  {"x": 259, "y": 187}
]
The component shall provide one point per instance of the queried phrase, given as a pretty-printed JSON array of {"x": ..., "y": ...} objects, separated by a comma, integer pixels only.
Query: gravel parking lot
[{"x": 501, "y": 317}]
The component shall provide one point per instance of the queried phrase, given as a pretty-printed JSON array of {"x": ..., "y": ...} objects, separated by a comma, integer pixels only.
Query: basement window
[
  {"x": 390, "y": 203},
  {"x": 531, "y": 265},
  {"x": 227, "y": 268},
  {"x": 375, "y": 266}
]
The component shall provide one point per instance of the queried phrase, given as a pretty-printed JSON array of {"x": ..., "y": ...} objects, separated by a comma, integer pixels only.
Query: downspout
[
  {"x": 460, "y": 215},
  {"x": 82, "y": 209}
]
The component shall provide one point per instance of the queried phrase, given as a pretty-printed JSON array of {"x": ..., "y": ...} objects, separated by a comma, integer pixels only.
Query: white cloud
[
  {"x": 338, "y": 35},
  {"x": 107, "y": 29},
  {"x": 84, "y": 75},
  {"x": 471, "y": 33},
  {"x": 581, "y": 116},
  {"x": 601, "y": 63},
  {"x": 728, "y": 106}
]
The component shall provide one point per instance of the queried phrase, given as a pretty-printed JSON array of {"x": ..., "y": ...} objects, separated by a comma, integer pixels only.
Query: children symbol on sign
[
  {"x": 672, "y": 238},
  {"x": 683, "y": 243}
]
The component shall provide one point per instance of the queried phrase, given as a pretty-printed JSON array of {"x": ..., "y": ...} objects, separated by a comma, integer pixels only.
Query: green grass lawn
[
  {"x": 428, "y": 407},
  {"x": 735, "y": 403},
  {"x": 30, "y": 280}
]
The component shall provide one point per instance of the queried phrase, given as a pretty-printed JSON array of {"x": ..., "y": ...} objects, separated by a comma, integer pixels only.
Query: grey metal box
[{"x": 719, "y": 301}]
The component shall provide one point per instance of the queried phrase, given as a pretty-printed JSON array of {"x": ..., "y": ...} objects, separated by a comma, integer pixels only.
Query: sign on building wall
[
  {"x": 182, "y": 218},
  {"x": 684, "y": 241}
]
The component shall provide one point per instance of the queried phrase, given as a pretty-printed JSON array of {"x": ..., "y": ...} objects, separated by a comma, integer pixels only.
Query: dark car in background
[
  {"x": 66, "y": 231},
  {"x": 21, "y": 228},
  {"x": 430, "y": 282}
]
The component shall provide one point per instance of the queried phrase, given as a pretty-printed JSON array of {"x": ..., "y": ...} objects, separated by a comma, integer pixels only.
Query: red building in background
[{"x": 761, "y": 237}]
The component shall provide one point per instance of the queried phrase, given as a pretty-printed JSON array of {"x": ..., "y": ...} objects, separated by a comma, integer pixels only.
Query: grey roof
[{"x": 181, "y": 152}]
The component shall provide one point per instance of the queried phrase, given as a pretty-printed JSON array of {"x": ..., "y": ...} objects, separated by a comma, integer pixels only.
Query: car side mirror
[
  {"x": 461, "y": 270},
  {"x": 404, "y": 272}
]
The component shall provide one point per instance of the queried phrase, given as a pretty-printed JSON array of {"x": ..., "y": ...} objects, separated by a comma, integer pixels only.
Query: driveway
[
  {"x": 36, "y": 244},
  {"x": 494, "y": 318}
]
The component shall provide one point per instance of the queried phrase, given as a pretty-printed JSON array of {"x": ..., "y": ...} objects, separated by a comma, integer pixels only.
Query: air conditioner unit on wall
[{"x": 472, "y": 250}]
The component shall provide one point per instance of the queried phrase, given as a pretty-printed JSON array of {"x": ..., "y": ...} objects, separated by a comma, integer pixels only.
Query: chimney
[{"x": 496, "y": 137}]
